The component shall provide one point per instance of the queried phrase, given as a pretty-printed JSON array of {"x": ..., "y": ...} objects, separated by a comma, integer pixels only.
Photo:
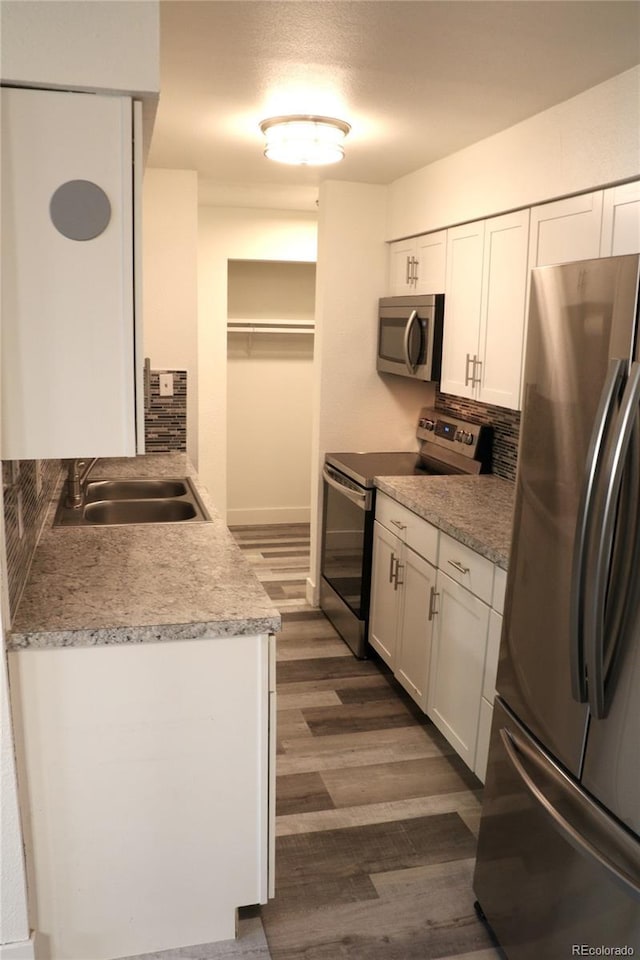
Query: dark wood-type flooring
[{"x": 376, "y": 816}]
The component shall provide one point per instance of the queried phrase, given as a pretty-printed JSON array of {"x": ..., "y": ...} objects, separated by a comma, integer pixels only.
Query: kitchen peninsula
[{"x": 142, "y": 678}]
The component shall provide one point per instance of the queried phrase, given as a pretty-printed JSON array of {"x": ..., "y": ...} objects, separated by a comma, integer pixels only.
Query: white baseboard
[
  {"x": 258, "y": 515},
  {"x": 21, "y": 950},
  {"x": 313, "y": 594}
]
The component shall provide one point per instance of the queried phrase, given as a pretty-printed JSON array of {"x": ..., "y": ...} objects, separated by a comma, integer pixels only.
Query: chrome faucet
[{"x": 77, "y": 472}]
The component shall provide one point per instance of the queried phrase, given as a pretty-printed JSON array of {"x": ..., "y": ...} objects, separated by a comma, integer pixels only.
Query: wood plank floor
[{"x": 376, "y": 816}]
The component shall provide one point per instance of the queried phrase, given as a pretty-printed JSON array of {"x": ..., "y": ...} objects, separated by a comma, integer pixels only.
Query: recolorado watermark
[{"x": 587, "y": 950}]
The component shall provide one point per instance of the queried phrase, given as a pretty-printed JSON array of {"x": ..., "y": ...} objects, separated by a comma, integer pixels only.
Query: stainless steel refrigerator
[{"x": 558, "y": 865}]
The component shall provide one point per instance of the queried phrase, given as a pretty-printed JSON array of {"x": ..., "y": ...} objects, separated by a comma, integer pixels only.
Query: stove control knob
[
  {"x": 426, "y": 424},
  {"x": 469, "y": 438},
  {"x": 459, "y": 436}
]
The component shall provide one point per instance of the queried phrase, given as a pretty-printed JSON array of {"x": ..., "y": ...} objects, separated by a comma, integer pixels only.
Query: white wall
[
  {"x": 355, "y": 407},
  {"x": 588, "y": 141},
  {"x": 170, "y": 281},
  {"x": 269, "y": 393},
  {"x": 233, "y": 234}
]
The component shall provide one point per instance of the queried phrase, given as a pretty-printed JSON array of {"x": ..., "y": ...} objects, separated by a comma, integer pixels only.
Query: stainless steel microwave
[{"x": 410, "y": 336}]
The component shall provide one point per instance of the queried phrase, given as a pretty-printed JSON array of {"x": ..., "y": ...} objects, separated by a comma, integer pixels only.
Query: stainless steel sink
[
  {"x": 138, "y": 511},
  {"x": 134, "y": 489},
  {"x": 124, "y": 501}
]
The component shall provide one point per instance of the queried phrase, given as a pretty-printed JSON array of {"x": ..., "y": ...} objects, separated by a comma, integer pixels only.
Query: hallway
[{"x": 376, "y": 816}]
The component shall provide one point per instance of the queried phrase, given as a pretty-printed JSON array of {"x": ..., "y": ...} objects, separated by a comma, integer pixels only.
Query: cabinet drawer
[
  {"x": 466, "y": 567},
  {"x": 417, "y": 533}
]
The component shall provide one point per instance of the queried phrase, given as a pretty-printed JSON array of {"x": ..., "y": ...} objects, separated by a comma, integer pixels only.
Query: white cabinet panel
[
  {"x": 457, "y": 666},
  {"x": 484, "y": 737},
  {"x": 621, "y": 220},
  {"x": 68, "y": 354},
  {"x": 383, "y": 621},
  {"x": 417, "y": 265},
  {"x": 566, "y": 230},
  {"x": 504, "y": 292},
  {"x": 493, "y": 653},
  {"x": 467, "y": 567},
  {"x": 417, "y": 533},
  {"x": 462, "y": 305},
  {"x": 418, "y": 580}
]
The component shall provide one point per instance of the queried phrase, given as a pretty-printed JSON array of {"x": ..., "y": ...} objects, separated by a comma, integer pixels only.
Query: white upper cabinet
[
  {"x": 484, "y": 319},
  {"x": 566, "y": 230},
  {"x": 417, "y": 265},
  {"x": 621, "y": 220},
  {"x": 69, "y": 352}
]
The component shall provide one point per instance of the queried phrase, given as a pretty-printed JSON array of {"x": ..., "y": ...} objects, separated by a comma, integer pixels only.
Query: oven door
[{"x": 347, "y": 538}]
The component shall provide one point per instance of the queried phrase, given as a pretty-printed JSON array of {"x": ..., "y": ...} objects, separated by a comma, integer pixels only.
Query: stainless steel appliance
[
  {"x": 410, "y": 336},
  {"x": 558, "y": 866},
  {"x": 447, "y": 445}
]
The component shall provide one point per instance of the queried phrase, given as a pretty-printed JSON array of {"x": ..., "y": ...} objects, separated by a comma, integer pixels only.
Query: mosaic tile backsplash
[
  {"x": 28, "y": 485},
  {"x": 166, "y": 420},
  {"x": 505, "y": 423}
]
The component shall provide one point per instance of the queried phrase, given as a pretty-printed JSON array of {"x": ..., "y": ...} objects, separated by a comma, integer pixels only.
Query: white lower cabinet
[
  {"x": 402, "y": 587},
  {"x": 456, "y": 675}
]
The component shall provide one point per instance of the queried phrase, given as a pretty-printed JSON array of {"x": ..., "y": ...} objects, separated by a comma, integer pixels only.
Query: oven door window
[{"x": 346, "y": 549}]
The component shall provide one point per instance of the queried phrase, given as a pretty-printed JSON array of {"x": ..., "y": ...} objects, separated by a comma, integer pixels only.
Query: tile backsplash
[
  {"x": 28, "y": 486},
  {"x": 166, "y": 418},
  {"x": 505, "y": 423}
]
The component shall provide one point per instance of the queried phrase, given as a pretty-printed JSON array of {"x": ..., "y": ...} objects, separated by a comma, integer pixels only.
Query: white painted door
[
  {"x": 566, "y": 230},
  {"x": 502, "y": 323},
  {"x": 418, "y": 580},
  {"x": 431, "y": 256},
  {"x": 463, "y": 297},
  {"x": 385, "y": 593},
  {"x": 457, "y": 666},
  {"x": 68, "y": 383},
  {"x": 621, "y": 220}
]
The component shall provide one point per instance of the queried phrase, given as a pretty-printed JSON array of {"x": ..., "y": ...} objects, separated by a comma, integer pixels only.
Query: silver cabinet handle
[
  {"x": 432, "y": 603},
  {"x": 147, "y": 383},
  {"x": 397, "y": 582},
  {"x": 459, "y": 567},
  {"x": 392, "y": 564},
  {"x": 400, "y": 526},
  {"x": 408, "y": 274},
  {"x": 476, "y": 381},
  {"x": 414, "y": 270},
  {"x": 468, "y": 377}
]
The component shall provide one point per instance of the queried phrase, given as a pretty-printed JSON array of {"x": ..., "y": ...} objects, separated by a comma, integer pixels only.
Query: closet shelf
[{"x": 273, "y": 326}]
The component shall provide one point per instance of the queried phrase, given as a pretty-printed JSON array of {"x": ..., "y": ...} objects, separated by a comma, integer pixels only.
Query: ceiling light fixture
[{"x": 304, "y": 139}]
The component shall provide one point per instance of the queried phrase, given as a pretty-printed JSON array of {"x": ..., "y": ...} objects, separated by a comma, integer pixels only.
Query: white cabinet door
[
  {"x": 418, "y": 579},
  {"x": 463, "y": 297},
  {"x": 621, "y": 220},
  {"x": 502, "y": 323},
  {"x": 401, "y": 267},
  {"x": 384, "y": 593},
  {"x": 417, "y": 265},
  {"x": 431, "y": 257},
  {"x": 68, "y": 381},
  {"x": 566, "y": 230},
  {"x": 457, "y": 666}
]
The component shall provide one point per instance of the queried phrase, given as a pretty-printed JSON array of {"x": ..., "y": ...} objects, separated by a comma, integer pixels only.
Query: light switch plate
[{"x": 166, "y": 384}]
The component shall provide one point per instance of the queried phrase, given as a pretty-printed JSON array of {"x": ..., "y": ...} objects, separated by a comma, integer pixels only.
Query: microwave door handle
[{"x": 411, "y": 366}]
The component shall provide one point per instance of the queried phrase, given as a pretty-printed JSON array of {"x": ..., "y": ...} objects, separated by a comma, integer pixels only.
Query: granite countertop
[
  {"x": 139, "y": 583},
  {"x": 477, "y": 511}
]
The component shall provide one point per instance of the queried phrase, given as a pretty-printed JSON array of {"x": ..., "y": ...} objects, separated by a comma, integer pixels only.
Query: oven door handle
[{"x": 362, "y": 500}]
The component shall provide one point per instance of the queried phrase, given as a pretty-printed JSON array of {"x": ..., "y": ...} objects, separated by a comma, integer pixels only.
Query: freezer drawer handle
[
  {"x": 513, "y": 746},
  {"x": 602, "y": 424}
]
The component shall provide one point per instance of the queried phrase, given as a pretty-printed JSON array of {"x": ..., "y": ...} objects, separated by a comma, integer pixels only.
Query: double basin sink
[{"x": 114, "y": 502}]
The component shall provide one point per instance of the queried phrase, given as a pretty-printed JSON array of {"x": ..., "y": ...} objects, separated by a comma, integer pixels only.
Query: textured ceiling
[{"x": 416, "y": 80}]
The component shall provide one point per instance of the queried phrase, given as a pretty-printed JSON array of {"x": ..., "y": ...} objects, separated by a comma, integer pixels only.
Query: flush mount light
[{"x": 304, "y": 139}]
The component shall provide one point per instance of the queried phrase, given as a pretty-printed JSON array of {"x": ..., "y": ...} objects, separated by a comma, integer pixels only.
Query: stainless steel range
[{"x": 446, "y": 446}]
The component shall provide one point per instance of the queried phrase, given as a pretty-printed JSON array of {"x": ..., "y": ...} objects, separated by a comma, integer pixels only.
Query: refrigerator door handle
[
  {"x": 603, "y": 419},
  {"x": 602, "y": 822},
  {"x": 598, "y": 596}
]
